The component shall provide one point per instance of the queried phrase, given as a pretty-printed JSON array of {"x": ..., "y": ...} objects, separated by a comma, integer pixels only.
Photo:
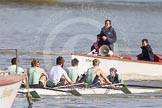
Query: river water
[{"x": 46, "y": 31}]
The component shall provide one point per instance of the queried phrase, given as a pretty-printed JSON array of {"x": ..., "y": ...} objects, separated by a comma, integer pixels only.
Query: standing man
[
  {"x": 108, "y": 35},
  {"x": 147, "y": 53}
]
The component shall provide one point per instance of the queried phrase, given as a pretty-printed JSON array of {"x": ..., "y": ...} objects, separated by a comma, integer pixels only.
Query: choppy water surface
[
  {"x": 111, "y": 101},
  {"x": 63, "y": 28}
]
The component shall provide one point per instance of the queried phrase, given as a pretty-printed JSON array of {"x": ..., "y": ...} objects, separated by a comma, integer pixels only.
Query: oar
[
  {"x": 144, "y": 86},
  {"x": 72, "y": 91},
  {"x": 33, "y": 94},
  {"x": 124, "y": 88},
  {"x": 71, "y": 85}
]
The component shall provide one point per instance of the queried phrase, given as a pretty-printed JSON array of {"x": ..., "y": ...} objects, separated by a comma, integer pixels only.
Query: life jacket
[
  {"x": 91, "y": 74},
  {"x": 33, "y": 75}
]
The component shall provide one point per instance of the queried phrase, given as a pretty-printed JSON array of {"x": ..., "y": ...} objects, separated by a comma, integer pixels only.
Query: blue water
[{"x": 67, "y": 27}]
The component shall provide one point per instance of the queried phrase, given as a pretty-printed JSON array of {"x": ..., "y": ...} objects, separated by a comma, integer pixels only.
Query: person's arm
[
  {"x": 92, "y": 48},
  {"x": 44, "y": 73},
  {"x": 65, "y": 75},
  {"x": 148, "y": 47},
  {"x": 113, "y": 38},
  {"x": 103, "y": 75}
]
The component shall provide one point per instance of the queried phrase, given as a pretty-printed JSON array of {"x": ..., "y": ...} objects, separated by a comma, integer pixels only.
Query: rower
[
  {"x": 36, "y": 76},
  {"x": 57, "y": 75},
  {"x": 74, "y": 72},
  {"x": 12, "y": 69},
  {"x": 96, "y": 75},
  {"x": 114, "y": 77}
]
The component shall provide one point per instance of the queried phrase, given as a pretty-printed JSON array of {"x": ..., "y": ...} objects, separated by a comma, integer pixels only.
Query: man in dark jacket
[
  {"x": 147, "y": 53},
  {"x": 108, "y": 35}
]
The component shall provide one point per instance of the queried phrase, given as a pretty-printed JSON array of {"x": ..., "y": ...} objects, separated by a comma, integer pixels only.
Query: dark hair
[
  {"x": 34, "y": 62},
  {"x": 60, "y": 60},
  {"x": 113, "y": 69},
  {"x": 74, "y": 62},
  {"x": 146, "y": 40},
  {"x": 108, "y": 20},
  {"x": 13, "y": 61},
  {"x": 98, "y": 35}
]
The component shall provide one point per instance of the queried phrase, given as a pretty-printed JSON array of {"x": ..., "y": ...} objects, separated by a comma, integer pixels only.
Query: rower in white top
[{"x": 57, "y": 75}]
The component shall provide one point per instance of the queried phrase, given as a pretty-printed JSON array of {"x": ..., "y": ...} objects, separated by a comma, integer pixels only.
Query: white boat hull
[
  {"x": 88, "y": 91},
  {"x": 8, "y": 90},
  {"x": 127, "y": 69}
]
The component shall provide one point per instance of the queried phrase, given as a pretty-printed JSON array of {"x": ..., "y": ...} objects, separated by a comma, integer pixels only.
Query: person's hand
[
  {"x": 109, "y": 83},
  {"x": 104, "y": 38},
  {"x": 72, "y": 82}
]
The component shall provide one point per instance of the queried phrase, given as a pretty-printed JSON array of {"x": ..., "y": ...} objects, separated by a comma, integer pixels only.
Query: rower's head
[
  {"x": 35, "y": 63},
  {"x": 145, "y": 42},
  {"x": 60, "y": 61},
  {"x": 74, "y": 62},
  {"x": 113, "y": 71},
  {"x": 13, "y": 61},
  {"x": 96, "y": 62}
]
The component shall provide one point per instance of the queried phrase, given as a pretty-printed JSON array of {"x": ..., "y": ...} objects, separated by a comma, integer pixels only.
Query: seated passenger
[
  {"x": 74, "y": 72},
  {"x": 96, "y": 75},
  {"x": 114, "y": 77},
  {"x": 95, "y": 45},
  {"x": 37, "y": 76},
  {"x": 147, "y": 53},
  {"x": 12, "y": 69},
  {"x": 57, "y": 75}
]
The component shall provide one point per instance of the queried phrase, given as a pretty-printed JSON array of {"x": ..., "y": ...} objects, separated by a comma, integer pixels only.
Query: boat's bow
[{"x": 9, "y": 85}]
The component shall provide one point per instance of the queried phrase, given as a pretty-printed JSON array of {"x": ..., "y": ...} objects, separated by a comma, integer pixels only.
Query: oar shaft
[
  {"x": 56, "y": 89},
  {"x": 66, "y": 86},
  {"x": 144, "y": 86}
]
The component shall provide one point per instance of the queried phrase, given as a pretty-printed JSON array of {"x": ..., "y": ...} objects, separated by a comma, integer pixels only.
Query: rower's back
[{"x": 91, "y": 74}]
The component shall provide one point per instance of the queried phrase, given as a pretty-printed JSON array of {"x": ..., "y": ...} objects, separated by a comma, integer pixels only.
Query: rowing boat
[
  {"x": 88, "y": 91},
  {"x": 128, "y": 69}
]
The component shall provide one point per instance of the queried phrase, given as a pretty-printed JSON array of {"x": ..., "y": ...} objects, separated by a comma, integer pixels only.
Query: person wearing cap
[
  {"x": 114, "y": 77},
  {"x": 95, "y": 75}
]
